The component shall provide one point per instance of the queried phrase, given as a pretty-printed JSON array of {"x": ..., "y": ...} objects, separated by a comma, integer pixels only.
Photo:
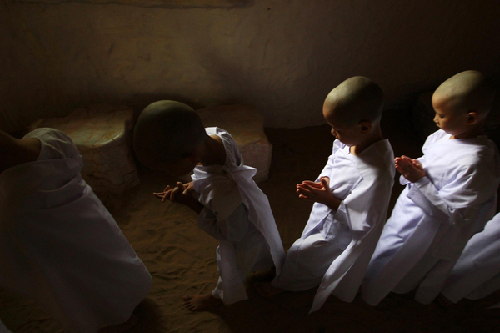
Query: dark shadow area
[
  {"x": 288, "y": 312},
  {"x": 150, "y": 317}
]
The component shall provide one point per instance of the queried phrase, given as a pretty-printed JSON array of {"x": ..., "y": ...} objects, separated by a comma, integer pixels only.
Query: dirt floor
[{"x": 181, "y": 259}]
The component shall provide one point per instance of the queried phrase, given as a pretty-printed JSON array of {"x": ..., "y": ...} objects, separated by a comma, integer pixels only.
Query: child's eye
[{"x": 441, "y": 116}]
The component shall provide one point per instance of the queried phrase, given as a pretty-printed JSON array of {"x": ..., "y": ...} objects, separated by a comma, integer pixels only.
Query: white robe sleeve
[
  {"x": 232, "y": 229},
  {"x": 456, "y": 202},
  {"x": 327, "y": 170}
]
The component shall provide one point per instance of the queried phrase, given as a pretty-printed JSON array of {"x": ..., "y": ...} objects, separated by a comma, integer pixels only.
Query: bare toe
[{"x": 200, "y": 302}]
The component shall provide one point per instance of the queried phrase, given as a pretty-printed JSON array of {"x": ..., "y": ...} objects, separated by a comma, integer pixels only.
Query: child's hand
[
  {"x": 179, "y": 194},
  {"x": 310, "y": 183},
  {"x": 411, "y": 169},
  {"x": 318, "y": 192}
]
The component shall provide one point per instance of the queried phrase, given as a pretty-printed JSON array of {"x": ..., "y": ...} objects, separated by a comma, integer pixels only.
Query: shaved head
[
  {"x": 355, "y": 100},
  {"x": 469, "y": 91},
  {"x": 167, "y": 131}
]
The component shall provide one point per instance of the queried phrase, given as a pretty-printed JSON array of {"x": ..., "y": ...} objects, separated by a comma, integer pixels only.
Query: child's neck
[
  {"x": 213, "y": 151},
  {"x": 373, "y": 137},
  {"x": 472, "y": 134}
]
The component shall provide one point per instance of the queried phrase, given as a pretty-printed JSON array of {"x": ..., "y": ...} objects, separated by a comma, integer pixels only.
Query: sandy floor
[{"x": 181, "y": 259}]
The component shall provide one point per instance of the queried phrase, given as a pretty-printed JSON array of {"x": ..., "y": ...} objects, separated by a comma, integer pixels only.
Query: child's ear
[
  {"x": 365, "y": 126},
  {"x": 472, "y": 118}
]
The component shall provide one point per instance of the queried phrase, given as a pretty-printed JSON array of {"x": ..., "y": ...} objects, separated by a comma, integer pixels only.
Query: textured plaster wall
[{"x": 283, "y": 56}]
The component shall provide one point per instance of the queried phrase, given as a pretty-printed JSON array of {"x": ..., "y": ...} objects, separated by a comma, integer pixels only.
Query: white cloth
[
  {"x": 477, "y": 271},
  {"x": 434, "y": 218},
  {"x": 60, "y": 245},
  {"x": 3, "y": 329},
  {"x": 238, "y": 214},
  {"x": 336, "y": 246}
]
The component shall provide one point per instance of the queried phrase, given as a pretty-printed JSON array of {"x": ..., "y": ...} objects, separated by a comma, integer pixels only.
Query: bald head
[
  {"x": 469, "y": 91},
  {"x": 167, "y": 131},
  {"x": 355, "y": 100}
]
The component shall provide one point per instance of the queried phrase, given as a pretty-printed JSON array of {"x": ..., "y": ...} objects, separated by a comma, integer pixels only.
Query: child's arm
[
  {"x": 232, "y": 228},
  {"x": 457, "y": 202},
  {"x": 181, "y": 194},
  {"x": 318, "y": 192}
]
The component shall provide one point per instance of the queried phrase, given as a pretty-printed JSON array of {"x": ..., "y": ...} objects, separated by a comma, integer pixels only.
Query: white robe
[
  {"x": 238, "y": 214},
  {"x": 477, "y": 271},
  {"x": 336, "y": 246},
  {"x": 434, "y": 218},
  {"x": 60, "y": 245},
  {"x": 3, "y": 329}
]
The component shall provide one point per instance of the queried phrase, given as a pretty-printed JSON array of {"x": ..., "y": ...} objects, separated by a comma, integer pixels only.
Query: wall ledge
[{"x": 156, "y": 3}]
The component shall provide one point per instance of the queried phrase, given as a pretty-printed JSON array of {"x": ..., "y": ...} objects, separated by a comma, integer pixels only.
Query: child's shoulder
[
  {"x": 379, "y": 153},
  {"x": 338, "y": 145},
  {"x": 483, "y": 153},
  {"x": 477, "y": 157},
  {"x": 48, "y": 134},
  {"x": 436, "y": 136},
  {"x": 55, "y": 144},
  {"x": 376, "y": 163}
]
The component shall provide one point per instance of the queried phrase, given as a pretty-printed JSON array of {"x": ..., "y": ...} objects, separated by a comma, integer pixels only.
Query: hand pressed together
[
  {"x": 179, "y": 194},
  {"x": 318, "y": 192},
  {"x": 410, "y": 168}
]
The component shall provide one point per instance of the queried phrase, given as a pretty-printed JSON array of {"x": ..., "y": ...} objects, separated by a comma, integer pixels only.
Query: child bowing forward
[
  {"x": 351, "y": 196},
  {"x": 170, "y": 136},
  {"x": 58, "y": 243}
]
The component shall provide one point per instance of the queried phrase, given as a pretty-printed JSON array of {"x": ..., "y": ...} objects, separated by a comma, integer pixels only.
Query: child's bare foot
[
  {"x": 131, "y": 322},
  {"x": 266, "y": 289},
  {"x": 200, "y": 302},
  {"x": 443, "y": 301}
]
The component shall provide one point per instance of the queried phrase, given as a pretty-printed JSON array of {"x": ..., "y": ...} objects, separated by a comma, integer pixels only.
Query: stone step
[{"x": 102, "y": 133}]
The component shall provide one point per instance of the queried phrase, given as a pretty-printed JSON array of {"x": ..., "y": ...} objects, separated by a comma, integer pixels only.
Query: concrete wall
[{"x": 283, "y": 56}]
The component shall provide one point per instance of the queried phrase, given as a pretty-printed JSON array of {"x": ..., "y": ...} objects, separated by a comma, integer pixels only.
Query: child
[
  {"x": 477, "y": 272},
  {"x": 351, "y": 196},
  {"x": 170, "y": 136},
  {"x": 58, "y": 243},
  {"x": 449, "y": 195}
]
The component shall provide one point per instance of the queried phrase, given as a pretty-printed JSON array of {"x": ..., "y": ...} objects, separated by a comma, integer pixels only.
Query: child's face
[
  {"x": 348, "y": 135},
  {"x": 449, "y": 120}
]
